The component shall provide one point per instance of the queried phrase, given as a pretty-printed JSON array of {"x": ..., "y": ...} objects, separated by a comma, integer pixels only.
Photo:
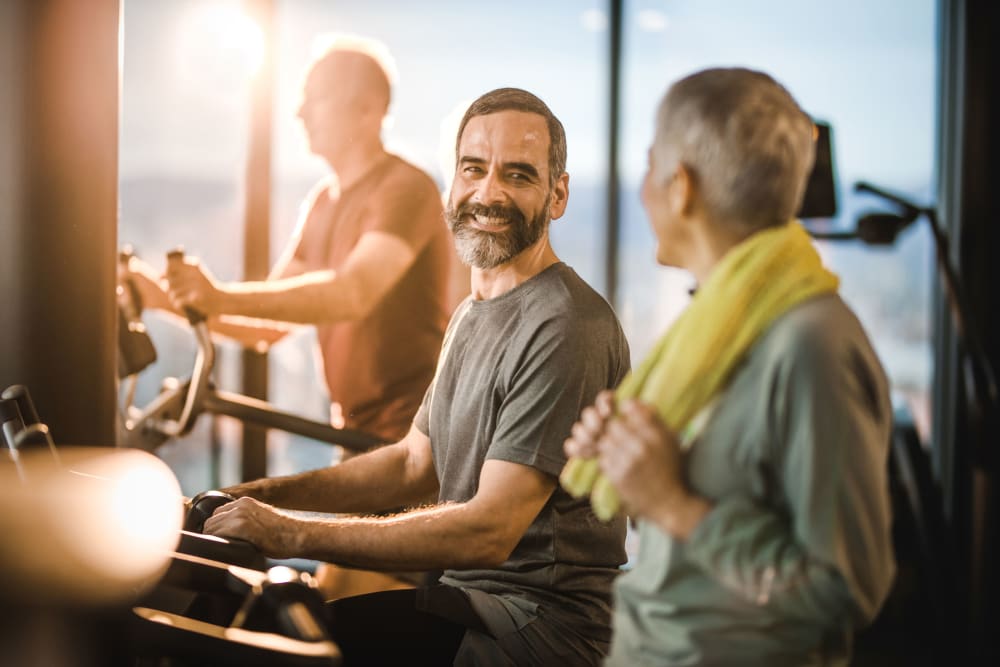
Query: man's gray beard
[{"x": 487, "y": 250}]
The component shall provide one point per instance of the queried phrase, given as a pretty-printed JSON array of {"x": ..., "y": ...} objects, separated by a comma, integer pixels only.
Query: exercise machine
[
  {"x": 174, "y": 411},
  {"x": 98, "y": 535},
  {"x": 219, "y": 603}
]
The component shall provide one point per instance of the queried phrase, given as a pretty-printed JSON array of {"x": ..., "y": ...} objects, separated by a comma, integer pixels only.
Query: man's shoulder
[
  {"x": 401, "y": 172},
  {"x": 326, "y": 187},
  {"x": 560, "y": 289},
  {"x": 563, "y": 300}
]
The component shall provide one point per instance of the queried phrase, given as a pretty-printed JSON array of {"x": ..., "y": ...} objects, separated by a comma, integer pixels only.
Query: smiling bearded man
[{"x": 527, "y": 569}]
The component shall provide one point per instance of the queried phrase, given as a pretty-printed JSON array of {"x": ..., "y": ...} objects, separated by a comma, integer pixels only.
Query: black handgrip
[
  {"x": 9, "y": 411},
  {"x": 202, "y": 506},
  {"x": 19, "y": 393},
  {"x": 193, "y": 315},
  {"x": 135, "y": 347},
  {"x": 34, "y": 436},
  {"x": 11, "y": 423}
]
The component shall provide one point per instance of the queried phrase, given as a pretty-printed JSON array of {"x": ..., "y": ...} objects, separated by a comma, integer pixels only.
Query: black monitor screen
[{"x": 820, "y": 200}]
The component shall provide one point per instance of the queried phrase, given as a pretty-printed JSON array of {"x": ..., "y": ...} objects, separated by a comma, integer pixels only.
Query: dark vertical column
[
  {"x": 58, "y": 216},
  {"x": 979, "y": 242},
  {"x": 257, "y": 230},
  {"x": 612, "y": 232},
  {"x": 969, "y": 447},
  {"x": 949, "y": 151}
]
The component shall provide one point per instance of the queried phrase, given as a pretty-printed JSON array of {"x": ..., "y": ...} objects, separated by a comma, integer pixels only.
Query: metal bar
[
  {"x": 615, "y": 9},
  {"x": 263, "y": 414},
  {"x": 257, "y": 224}
]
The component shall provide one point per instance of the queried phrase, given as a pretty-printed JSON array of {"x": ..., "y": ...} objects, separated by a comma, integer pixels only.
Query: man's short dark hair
[{"x": 515, "y": 99}]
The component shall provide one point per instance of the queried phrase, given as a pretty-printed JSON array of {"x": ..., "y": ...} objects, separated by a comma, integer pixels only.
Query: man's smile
[{"x": 489, "y": 223}]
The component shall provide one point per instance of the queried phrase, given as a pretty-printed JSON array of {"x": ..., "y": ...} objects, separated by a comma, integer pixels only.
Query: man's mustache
[{"x": 511, "y": 214}]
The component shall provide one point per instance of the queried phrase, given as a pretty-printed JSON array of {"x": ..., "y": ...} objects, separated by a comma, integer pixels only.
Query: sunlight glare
[
  {"x": 126, "y": 513},
  {"x": 221, "y": 38},
  {"x": 98, "y": 525}
]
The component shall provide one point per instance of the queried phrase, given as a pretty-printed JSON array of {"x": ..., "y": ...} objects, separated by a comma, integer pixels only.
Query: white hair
[{"x": 743, "y": 138}]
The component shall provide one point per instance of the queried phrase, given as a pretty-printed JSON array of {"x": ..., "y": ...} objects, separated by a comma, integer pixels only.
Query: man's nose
[{"x": 491, "y": 190}]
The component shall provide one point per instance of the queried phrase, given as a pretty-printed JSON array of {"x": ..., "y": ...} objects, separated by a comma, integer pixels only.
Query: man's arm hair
[
  {"x": 479, "y": 533},
  {"x": 396, "y": 475}
]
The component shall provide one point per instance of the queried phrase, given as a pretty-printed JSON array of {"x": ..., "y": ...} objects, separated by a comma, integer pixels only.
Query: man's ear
[{"x": 560, "y": 197}]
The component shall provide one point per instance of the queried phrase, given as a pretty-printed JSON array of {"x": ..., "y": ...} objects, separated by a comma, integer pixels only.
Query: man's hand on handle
[
  {"x": 271, "y": 531},
  {"x": 192, "y": 286}
]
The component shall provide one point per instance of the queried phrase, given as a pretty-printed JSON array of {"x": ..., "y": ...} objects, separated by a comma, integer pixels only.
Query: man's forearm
[
  {"x": 250, "y": 332},
  {"x": 310, "y": 298},
  {"x": 373, "y": 482},
  {"x": 478, "y": 533},
  {"x": 440, "y": 537}
]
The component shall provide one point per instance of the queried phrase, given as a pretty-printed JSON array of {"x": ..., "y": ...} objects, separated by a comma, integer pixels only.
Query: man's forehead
[
  {"x": 338, "y": 69},
  {"x": 518, "y": 132}
]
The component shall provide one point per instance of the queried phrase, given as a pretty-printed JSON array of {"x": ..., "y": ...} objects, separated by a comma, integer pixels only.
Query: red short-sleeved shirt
[{"x": 378, "y": 368}]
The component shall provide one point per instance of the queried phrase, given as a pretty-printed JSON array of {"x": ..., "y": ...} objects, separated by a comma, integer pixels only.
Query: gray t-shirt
[
  {"x": 515, "y": 372},
  {"x": 797, "y": 549}
]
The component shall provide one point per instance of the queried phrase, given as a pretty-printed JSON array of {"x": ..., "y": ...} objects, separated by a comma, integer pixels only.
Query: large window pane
[
  {"x": 459, "y": 51},
  {"x": 866, "y": 68},
  {"x": 187, "y": 67}
]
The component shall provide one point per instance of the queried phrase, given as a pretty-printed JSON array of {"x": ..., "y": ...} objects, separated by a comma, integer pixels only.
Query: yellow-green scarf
[{"x": 756, "y": 282}]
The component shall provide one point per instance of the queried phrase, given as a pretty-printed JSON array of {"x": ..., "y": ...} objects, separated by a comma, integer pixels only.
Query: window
[
  {"x": 460, "y": 51},
  {"x": 187, "y": 67},
  {"x": 184, "y": 135},
  {"x": 868, "y": 69}
]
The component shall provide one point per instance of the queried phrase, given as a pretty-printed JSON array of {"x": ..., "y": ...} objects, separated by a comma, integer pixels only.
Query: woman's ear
[{"x": 682, "y": 188}]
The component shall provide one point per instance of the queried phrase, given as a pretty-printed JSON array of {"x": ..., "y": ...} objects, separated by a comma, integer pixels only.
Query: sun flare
[{"x": 221, "y": 37}]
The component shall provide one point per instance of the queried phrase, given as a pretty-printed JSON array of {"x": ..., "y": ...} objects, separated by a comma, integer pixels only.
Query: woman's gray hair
[{"x": 744, "y": 139}]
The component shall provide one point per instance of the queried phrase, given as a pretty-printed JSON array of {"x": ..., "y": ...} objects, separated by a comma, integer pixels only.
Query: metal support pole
[
  {"x": 615, "y": 9},
  {"x": 257, "y": 226}
]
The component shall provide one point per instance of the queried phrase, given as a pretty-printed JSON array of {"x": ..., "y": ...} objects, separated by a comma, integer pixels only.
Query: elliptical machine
[{"x": 175, "y": 410}]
